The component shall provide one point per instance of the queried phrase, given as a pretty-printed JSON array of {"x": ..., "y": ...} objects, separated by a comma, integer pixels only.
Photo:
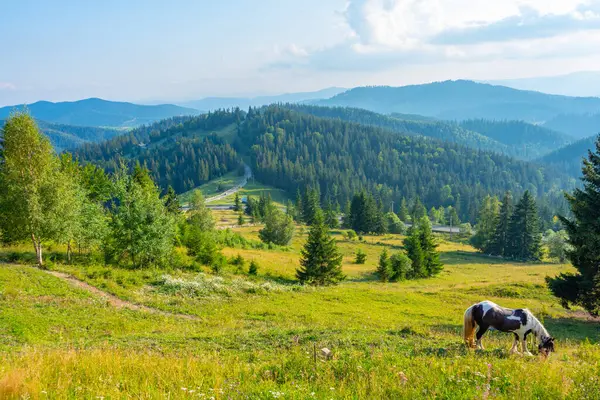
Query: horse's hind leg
[{"x": 480, "y": 332}]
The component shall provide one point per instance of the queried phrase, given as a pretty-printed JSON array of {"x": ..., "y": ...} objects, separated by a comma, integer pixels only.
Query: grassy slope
[
  {"x": 252, "y": 188},
  {"x": 398, "y": 340}
]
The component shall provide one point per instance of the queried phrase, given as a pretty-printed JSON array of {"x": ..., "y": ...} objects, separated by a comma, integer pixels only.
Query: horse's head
[{"x": 547, "y": 346}]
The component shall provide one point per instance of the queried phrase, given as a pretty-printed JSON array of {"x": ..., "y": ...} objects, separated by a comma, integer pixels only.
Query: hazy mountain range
[
  {"x": 585, "y": 83},
  {"x": 214, "y": 103},
  {"x": 98, "y": 112}
]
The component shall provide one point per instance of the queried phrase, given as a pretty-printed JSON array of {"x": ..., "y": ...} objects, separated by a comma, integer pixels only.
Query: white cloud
[
  {"x": 7, "y": 86},
  {"x": 385, "y": 33}
]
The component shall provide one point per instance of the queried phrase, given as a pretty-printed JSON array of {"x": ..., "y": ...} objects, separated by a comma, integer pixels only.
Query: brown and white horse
[{"x": 520, "y": 322}]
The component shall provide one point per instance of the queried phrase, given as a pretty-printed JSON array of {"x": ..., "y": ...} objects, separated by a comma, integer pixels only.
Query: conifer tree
[
  {"x": 299, "y": 206},
  {"x": 418, "y": 211},
  {"x": 384, "y": 269},
  {"x": 583, "y": 287},
  {"x": 499, "y": 244},
  {"x": 414, "y": 251},
  {"x": 523, "y": 232},
  {"x": 237, "y": 202},
  {"x": 321, "y": 262},
  {"x": 171, "y": 201},
  {"x": 488, "y": 217},
  {"x": 431, "y": 257},
  {"x": 311, "y": 205},
  {"x": 403, "y": 212}
]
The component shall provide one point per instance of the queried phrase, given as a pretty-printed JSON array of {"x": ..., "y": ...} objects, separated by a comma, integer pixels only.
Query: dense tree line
[
  {"x": 293, "y": 151},
  {"x": 181, "y": 152},
  {"x": 583, "y": 229},
  {"x": 507, "y": 230}
]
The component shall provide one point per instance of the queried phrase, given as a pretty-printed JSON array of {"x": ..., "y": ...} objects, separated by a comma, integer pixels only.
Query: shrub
[
  {"x": 361, "y": 257},
  {"x": 253, "y": 269}
]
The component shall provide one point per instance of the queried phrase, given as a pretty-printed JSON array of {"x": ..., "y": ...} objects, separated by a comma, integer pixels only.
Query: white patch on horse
[
  {"x": 514, "y": 318},
  {"x": 487, "y": 306}
]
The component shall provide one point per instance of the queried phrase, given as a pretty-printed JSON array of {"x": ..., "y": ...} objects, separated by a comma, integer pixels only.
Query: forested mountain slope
[
  {"x": 576, "y": 125},
  {"x": 183, "y": 152},
  {"x": 98, "y": 112},
  {"x": 526, "y": 141},
  {"x": 569, "y": 158},
  {"x": 292, "y": 150},
  {"x": 459, "y": 100},
  {"x": 69, "y": 137},
  {"x": 407, "y": 125}
]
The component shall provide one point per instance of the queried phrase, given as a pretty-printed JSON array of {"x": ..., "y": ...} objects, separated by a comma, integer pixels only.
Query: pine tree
[
  {"x": 241, "y": 220},
  {"x": 311, "y": 205},
  {"x": 431, "y": 257},
  {"x": 583, "y": 287},
  {"x": 523, "y": 232},
  {"x": 499, "y": 242},
  {"x": 418, "y": 211},
  {"x": 414, "y": 251},
  {"x": 321, "y": 262},
  {"x": 237, "y": 202},
  {"x": 384, "y": 269},
  {"x": 403, "y": 213},
  {"x": 253, "y": 268},
  {"x": 171, "y": 201},
  {"x": 488, "y": 217},
  {"x": 331, "y": 219}
]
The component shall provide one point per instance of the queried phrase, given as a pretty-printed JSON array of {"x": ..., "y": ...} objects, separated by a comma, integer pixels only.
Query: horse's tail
[{"x": 469, "y": 327}]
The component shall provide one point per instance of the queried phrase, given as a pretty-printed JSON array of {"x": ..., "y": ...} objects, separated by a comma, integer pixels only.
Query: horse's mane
[{"x": 538, "y": 329}]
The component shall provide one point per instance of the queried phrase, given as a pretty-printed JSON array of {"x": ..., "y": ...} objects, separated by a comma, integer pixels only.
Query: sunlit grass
[{"x": 389, "y": 340}]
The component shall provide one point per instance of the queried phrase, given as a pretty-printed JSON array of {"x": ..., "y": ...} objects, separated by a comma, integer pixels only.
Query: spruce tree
[
  {"x": 310, "y": 204},
  {"x": 583, "y": 287},
  {"x": 237, "y": 202},
  {"x": 321, "y": 262},
  {"x": 418, "y": 211},
  {"x": 488, "y": 217},
  {"x": 403, "y": 212},
  {"x": 499, "y": 243},
  {"x": 431, "y": 257},
  {"x": 171, "y": 201},
  {"x": 384, "y": 269},
  {"x": 414, "y": 251},
  {"x": 523, "y": 232}
]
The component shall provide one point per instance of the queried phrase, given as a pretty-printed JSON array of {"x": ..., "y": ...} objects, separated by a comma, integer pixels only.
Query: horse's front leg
[
  {"x": 515, "y": 347},
  {"x": 482, "y": 329},
  {"x": 524, "y": 347}
]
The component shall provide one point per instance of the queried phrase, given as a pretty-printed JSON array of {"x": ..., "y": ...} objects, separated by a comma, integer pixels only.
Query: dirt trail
[{"x": 114, "y": 300}]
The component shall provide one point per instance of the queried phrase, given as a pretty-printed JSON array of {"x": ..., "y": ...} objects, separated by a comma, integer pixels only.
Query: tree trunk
[
  {"x": 69, "y": 251},
  {"x": 38, "y": 250}
]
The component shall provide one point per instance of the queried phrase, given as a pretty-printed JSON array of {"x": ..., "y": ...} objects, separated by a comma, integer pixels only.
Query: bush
[
  {"x": 361, "y": 257},
  {"x": 400, "y": 266},
  {"x": 351, "y": 235},
  {"x": 253, "y": 269}
]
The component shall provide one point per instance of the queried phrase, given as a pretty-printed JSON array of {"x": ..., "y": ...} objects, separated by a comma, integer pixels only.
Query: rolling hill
[
  {"x": 292, "y": 150},
  {"x": 69, "y": 137},
  {"x": 568, "y": 159},
  {"x": 215, "y": 103},
  {"x": 514, "y": 138},
  {"x": 460, "y": 100},
  {"x": 577, "y": 125},
  {"x": 99, "y": 113},
  {"x": 526, "y": 141}
]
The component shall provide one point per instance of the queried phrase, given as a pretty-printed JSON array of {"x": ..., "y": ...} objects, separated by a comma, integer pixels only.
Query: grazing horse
[{"x": 520, "y": 322}]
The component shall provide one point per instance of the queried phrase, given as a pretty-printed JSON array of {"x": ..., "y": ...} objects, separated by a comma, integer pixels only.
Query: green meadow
[{"x": 234, "y": 336}]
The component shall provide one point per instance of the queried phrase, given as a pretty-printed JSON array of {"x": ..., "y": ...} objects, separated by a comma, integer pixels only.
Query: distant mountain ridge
[
  {"x": 96, "y": 112},
  {"x": 69, "y": 137},
  {"x": 582, "y": 83},
  {"x": 460, "y": 100},
  {"x": 215, "y": 103},
  {"x": 569, "y": 158}
]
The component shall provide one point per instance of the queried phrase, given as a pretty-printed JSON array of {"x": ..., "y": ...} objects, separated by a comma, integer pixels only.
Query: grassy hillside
[
  {"x": 239, "y": 337},
  {"x": 99, "y": 113},
  {"x": 458, "y": 100}
]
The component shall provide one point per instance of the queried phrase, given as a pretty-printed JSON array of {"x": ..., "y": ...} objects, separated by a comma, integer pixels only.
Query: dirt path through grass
[{"x": 114, "y": 300}]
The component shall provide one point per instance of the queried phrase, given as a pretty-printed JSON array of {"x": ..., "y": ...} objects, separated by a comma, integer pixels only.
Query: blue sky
[{"x": 179, "y": 50}]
